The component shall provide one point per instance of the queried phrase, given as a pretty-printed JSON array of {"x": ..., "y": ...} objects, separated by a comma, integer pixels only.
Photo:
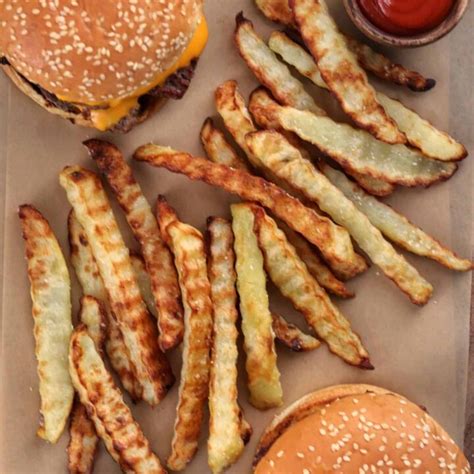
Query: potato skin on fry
[
  {"x": 88, "y": 274},
  {"x": 86, "y": 194},
  {"x": 292, "y": 336},
  {"x": 292, "y": 278},
  {"x": 188, "y": 247},
  {"x": 158, "y": 259},
  {"x": 112, "y": 419},
  {"x": 51, "y": 297},
  {"x": 262, "y": 372},
  {"x": 333, "y": 241},
  {"x": 226, "y": 440}
]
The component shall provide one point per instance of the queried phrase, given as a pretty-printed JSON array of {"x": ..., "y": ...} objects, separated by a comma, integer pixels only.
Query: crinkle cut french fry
[
  {"x": 275, "y": 152},
  {"x": 144, "y": 282},
  {"x": 51, "y": 297},
  {"x": 341, "y": 71},
  {"x": 188, "y": 248},
  {"x": 370, "y": 60},
  {"x": 292, "y": 336},
  {"x": 269, "y": 70},
  {"x": 292, "y": 278},
  {"x": 332, "y": 240},
  {"x": 263, "y": 376},
  {"x": 395, "y": 226},
  {"x": 419, "y": 132},
  {"x": 112, "y": 419},
  {"x": 83, "y": 439},
  {"x": 92, "y": 208},
  {"x": 158, "y": 259},
  {"x": 354, "y": 149},
  {"x": 374, "y": 186},
  {"x": 225, "y": 443},
  {"x": 218, "y": 149},
  {"x": 87, "y": 272}
]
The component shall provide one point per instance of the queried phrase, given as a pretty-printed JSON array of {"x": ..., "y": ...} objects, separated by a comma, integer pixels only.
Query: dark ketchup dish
[{"x": 405, "y": 22}]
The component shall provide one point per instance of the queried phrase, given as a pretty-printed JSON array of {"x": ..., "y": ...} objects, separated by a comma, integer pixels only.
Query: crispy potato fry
[
  {"x": 370, "y": 60},
  {"x": 225, "y": 443},
  {"x": 395, "y": 226},
  {"x": 419, "y": 132},
  {"x": 384, "y": 68},
  {"x": 269, "y": 70},
  {"x": 187, "y": 245},
  {"x": 332, "y": 240},
  {"x": 292, "y": 336},
  {"x": 315, "y": 265},
  {"x": 282, "y": 158},
  {"x": 83, "y": 438},
  {"x": 144, "y": 282},
  {"x": 51, "y": 297},
  {"x": 87, "y": 196},
  {"x": 218, "y": 149},
  {"x": 158, "y": 259},
  {"x": 263, "y": 376},
  {"x": 355, "y": 149},
  {"x": 112, "y": 419},
  {"x": 83, "y": 441},
  {"x": 88, "y": 274},
  {"x": 291, "y": 276},
  {"x": 374, "y": 186},
  {"x": 341, "y": 72}
]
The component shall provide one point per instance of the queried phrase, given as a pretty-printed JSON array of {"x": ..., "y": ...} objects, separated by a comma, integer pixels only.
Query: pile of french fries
[{"x": 301, "y": 210}]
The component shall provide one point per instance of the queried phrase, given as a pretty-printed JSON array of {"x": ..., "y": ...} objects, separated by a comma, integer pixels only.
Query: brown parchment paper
[{"x": 421, "y": 353}]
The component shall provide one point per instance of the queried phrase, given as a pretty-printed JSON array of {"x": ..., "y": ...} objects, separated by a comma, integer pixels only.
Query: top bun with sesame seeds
[
  {"x": 356, "y": 429},
  {"x": 101, "y": 56}
]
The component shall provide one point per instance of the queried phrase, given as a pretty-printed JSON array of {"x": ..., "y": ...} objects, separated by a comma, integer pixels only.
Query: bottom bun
[
  {"x": 80, "y": 115},
  {"x": 356, "y": 429}
]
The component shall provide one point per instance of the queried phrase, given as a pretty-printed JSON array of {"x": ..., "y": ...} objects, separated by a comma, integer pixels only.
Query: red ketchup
[{"x": 406, "y": 17}]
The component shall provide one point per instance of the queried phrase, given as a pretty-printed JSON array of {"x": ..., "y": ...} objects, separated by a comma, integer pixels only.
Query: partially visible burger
[
  {"x": 105, "y": 64},
  {"x": 356, "y": 429}
]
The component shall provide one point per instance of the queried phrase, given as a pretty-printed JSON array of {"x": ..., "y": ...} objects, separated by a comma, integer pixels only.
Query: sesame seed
[{"x": 280, "y": 453}]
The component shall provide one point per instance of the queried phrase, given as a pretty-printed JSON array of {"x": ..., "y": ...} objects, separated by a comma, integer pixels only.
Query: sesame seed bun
[
  {"x": 356, "y": 429},
  {"x": 93, "y": 52}
]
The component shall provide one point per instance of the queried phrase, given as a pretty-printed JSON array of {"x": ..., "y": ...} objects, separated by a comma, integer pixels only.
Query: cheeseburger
[
  {"x": 356, "y": 429},
  {"x": 106, "y": 64}
]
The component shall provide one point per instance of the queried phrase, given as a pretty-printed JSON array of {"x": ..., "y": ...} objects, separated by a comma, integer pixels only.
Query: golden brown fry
[
  {"x": 374, "y": 186},
  {"x": 144, "y": 282},
  {"x": 112, "y": 419},
  {"x": 275, "y": 152},
  {"x": 88, "y": 274},
  {"x": 269, "y": 70},
  {"x": 315, "y": 265},
  {"x": 87, "y": 196},
  {"x": 384, "y": 68},
  {"x": 395, "y": 226},
  {"x": 158, "y": 259},
  {"x": 292, "y": 336},
  {"x": 370, "y": 60},
  {"x": 354, "y": 149},
  {"x": 419, "y": 132},
  {"x": 292, "y": 278},
  {"x": 83, "y": 438},
  {"x": 225, "y": 443},
  {"x": 83, "y": 441},
  {"x": 332, "y": 240},
  {"x": 218, "y": 149},
  {"x": 263, "y": 377},
  {"x": 341, "y": 72},
  {"x": 51, "y": 297},
  {"x": 187, "y": 245}
]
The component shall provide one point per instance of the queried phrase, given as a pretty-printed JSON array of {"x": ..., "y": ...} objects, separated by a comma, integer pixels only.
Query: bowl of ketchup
[{"x": 406, "y": 23}]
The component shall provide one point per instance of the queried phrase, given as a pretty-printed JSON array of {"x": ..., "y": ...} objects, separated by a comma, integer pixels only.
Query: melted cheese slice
[{"x": 107, "y": 118}]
